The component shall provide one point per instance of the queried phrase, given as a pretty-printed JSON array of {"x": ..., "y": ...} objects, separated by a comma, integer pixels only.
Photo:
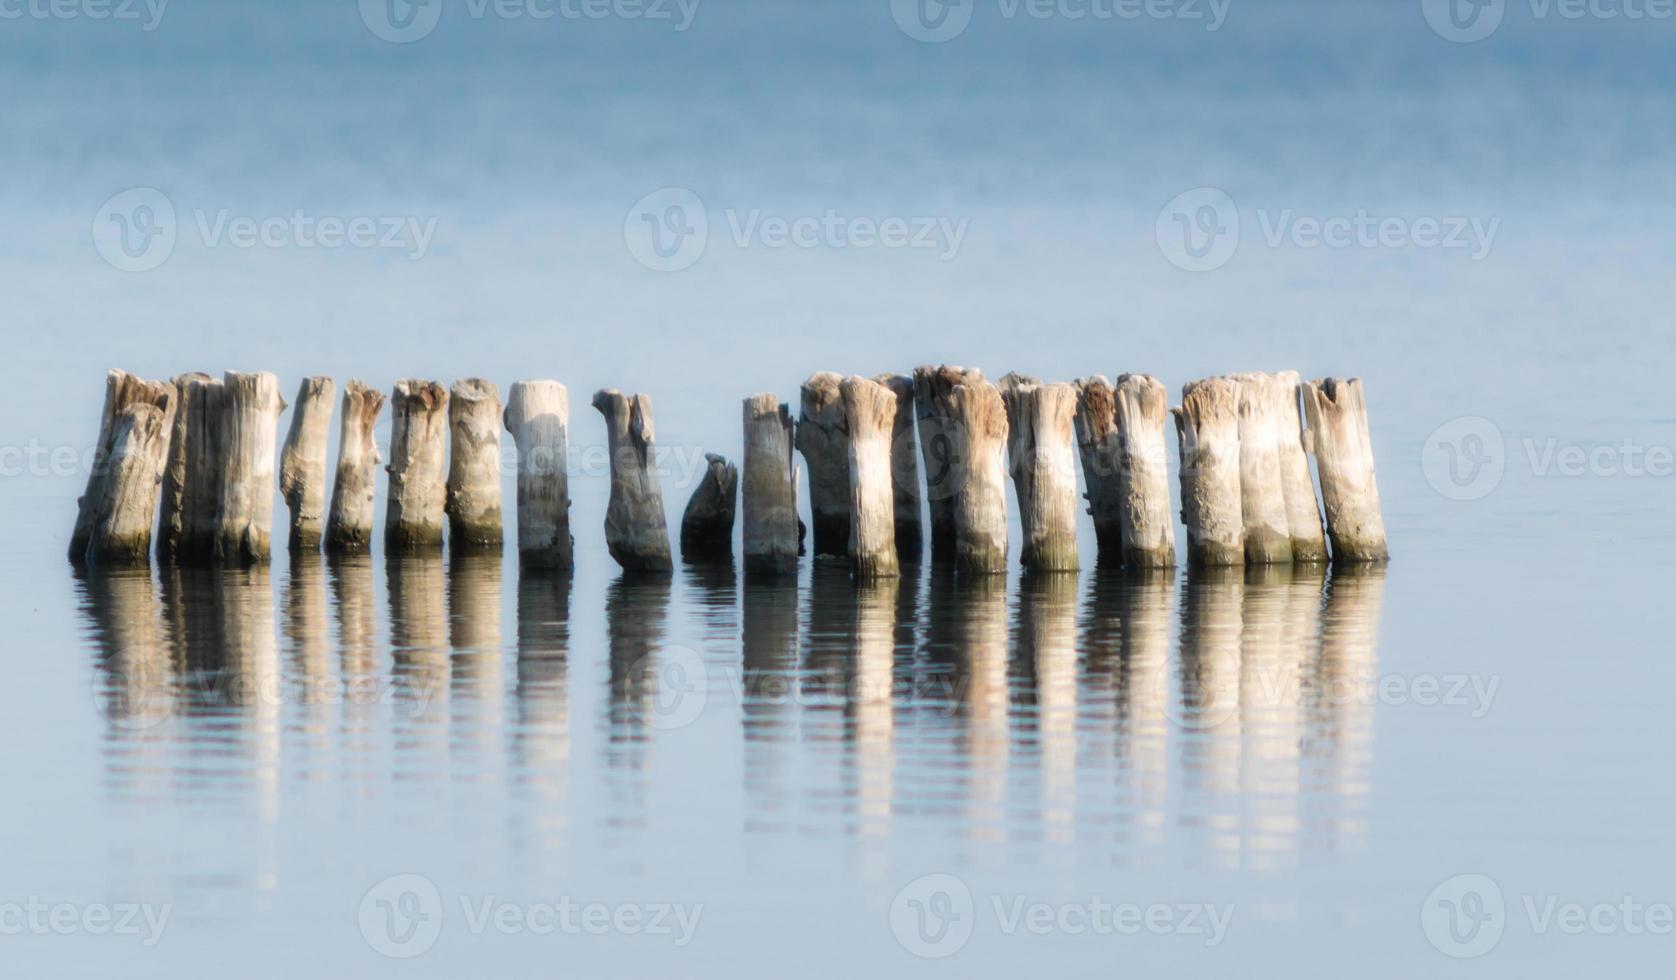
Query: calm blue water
[{"x": 1287, "y": 774}]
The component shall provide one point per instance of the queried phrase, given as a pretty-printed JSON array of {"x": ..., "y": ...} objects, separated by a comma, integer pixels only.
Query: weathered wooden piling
[
  {"x": 538, "y": 416},
  {"x": 707, "y": 523},
  {"x": 121, "y": 391},
  {"x": 473, "y": 499},
  {"x": 418, "y": 466},
  {"x": 870, "y": 411},
  {"x": 904, "y": 468},
  {"x": 636, "y": 532},
  {"x": 945, "y": 475},
  {"x": 249, "y": 437},
  {"x": 192, "y": 478},
  {"x": 355, "y": 487},
  {"x": 126, "y": 504},
  {"x": 1262, "y": 495},
  {"x": 1207, "y": 427},
  {"x": 302, "y": 463},
  {"x": 975, "y": 424},
  {"x": 1303, "y": 511},
  {"x": 769, "y": 489},
  {"x": 823, "y": 440},
  {"x": 1041, "y": 457},
  {"x": 1149, "y": 533},
  {"x": 1336, "y": 415},
  {"x": 1101, "y": 453}
]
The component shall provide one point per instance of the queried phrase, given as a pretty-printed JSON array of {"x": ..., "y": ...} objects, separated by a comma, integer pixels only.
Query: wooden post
[
  {"x": 473, "y": 501},
  {"x": 1149, "y": 533},
  {"x": 635, "y": 529},
  {"x": 1262, "y": 496},
  {"x": 418, "y": 466},
  {"x": 192, "y": 478},
  {"x": 870, "y": 409},
  {"x": 1336, "y": 413},
  {"x": 1039, "y": 423},
  {"x": 126, "y": 507},
  {"x": 1303, "y": 511},
  {"x": 975, "y": 423},
  {"x": 824, "y": 442},
  {"x": 771, "y": 535},
  {"x": 1207, "y": 427},
  {"x": 121, "y": 390},
  {"x": 302, "y": 463},
  {"x": 249, "y": 437},
  {"x": 1101, "y": 453},
  {"x": 707, "y": 524},
  {"x": 944, "y": 476},
  {"x": 538, "y": 416},
  {"x": 904, "y": 468},
  {"x": 349, "y": 525}
]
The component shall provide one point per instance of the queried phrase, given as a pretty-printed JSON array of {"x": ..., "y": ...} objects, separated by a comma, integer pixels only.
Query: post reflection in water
[
  {"x": 134, "y": 680},
  {"x": 1342, "y": 713},
  {"x": 1277, "y": 646},
  {"x": 636, "y": 610},
  {"x": 356, "y": 612},
  {"x": 870, "y": 725},
  {"x": 541, "y": 739},
  {"x": 474, "y": 634},
  {"x": 419, "y": 672},
  {"x": 978, "y": 608},
  {"x": 308, "y": 656},
  {"x": 1209, "y": 709},
  {"x": 768, "y": 620},
  {"x": 1047, "y": 654},
  {"x": 1127, "y": 643}
]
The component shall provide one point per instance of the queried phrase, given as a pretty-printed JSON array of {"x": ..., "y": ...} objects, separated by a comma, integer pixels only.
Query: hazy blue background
[{"x": 1058, "y": 142}]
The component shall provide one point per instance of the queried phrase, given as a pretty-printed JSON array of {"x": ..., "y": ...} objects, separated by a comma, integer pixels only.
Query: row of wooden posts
[{"x": 195, "y": 458}]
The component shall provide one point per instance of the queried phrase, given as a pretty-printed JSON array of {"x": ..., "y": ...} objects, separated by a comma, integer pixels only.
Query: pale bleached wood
[
  {"x": 474, "y": 498},
  {"x": 538, "y": 416},
  {"x": 707, "y": 523},
  {"x": 418, "y": 466},
  {"x": 870, "y": 415},
  {"x": 249, "y": 438},
  {"x": 127, "y": 508},
  {"x": 121, "y": 390},
  {"x": 1262, "y": 495},
  {"x": 1101, "y": 453},
  {"x": 1303, "y": 511},
  {"x": 1207, "y": 427},
  {"x": 824, "y": 443},
  {"x": 302, "y": 463},
  {"x": 771, "y": 528},
  {"x": 1042, "y": 461},
  {"x": 1149, "y": 533},
  {"x": 944, "y": 478},
  {"x": 636, "y": 531},
  {"x": 975, "y": 423},
  {"x": 355, "y": 486},
  {"x": 1336, "y": 413},
  {"x": 192, "y": 478},
  {"x": 904, "y": 468}
]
